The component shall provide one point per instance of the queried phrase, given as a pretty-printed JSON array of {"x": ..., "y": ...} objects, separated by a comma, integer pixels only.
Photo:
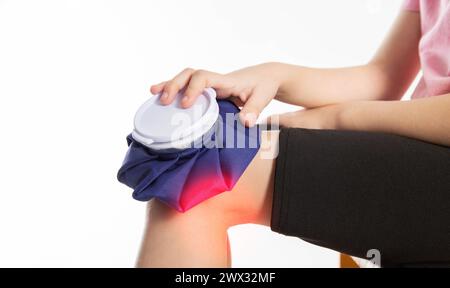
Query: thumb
[{"x": 253, "y": 107}]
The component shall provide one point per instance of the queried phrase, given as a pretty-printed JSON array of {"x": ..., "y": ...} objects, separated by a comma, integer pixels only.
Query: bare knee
[{"x": 250, "y": 201}]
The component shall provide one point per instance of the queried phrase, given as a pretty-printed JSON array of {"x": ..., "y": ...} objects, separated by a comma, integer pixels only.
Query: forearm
[
  {"x": 311, "y": 87},
  {"x": 386, "y": 77},
  {"x": 426, "y": 119}
]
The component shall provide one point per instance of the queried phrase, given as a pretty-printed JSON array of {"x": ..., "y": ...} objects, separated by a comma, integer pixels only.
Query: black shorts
[{"x": 357, "y": 191}]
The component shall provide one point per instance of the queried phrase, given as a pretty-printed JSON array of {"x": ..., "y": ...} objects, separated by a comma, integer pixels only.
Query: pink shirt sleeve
[{"x": 411, "y": 5}]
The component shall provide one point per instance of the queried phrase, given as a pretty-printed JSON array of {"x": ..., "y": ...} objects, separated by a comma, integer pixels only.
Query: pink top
[{"x": 434, "y": 46}]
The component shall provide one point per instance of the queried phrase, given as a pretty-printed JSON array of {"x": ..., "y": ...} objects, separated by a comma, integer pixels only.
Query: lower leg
[
  {"x": 173, "y": 239},
  {"x": 198, "y": 238}
]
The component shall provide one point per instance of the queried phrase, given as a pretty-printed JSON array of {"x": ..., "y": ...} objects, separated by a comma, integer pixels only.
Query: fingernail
[
  {"x": 185, "y": 99},
  {"x": 250, "y": 119},
  {"x": 164, "y": 96}
]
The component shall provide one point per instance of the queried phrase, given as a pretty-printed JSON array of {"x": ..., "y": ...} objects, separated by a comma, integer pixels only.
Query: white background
[{"x": 72, "y": 74}]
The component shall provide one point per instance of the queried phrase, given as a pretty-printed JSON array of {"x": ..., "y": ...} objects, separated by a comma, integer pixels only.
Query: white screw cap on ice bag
[{"x": 162, "y": 127}]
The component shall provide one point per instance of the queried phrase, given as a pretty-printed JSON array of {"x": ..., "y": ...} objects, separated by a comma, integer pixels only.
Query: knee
[
  {"x": 239, "y": 206},
  {"x": 216, "y": 214},
  {"x": 219, "y": 211},
  {"x": 250, "y": 201}
]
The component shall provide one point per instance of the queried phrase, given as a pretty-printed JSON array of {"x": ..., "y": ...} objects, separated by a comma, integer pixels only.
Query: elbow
[{"x": 389, "y": 86}]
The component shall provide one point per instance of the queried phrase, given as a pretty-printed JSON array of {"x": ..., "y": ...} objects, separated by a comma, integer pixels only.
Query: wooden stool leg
[{"x": 347, "y": 262}]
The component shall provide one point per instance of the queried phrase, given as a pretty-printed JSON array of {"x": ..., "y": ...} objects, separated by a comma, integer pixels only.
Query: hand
[
  {"x": 253, "y": 88},
  {"x": 327, "y": 117}
]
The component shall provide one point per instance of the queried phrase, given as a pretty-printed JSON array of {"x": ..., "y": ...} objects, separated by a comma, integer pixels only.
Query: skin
[
  {"x": 364, "y": 98},
  {"x": 198, "y": 237}
]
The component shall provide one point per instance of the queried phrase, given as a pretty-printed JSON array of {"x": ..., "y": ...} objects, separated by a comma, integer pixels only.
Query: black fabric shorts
[{"x": 357, "y": 191}]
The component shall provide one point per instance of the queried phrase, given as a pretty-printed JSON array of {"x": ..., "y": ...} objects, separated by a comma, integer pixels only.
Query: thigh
[{"x": 358, "y": 191}]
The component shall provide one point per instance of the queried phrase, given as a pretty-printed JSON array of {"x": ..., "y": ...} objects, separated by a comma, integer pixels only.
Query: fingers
[
  {"x": 172, "y": 87},
  {"x": 194, "y": 81},
  {"x": 175, "y": 85},
  {"x": 155, "y": 89},
  {"x": 257, "y": 101},
  {"x": 237, "y": 101},
  {"x": 200, "y": 80}
]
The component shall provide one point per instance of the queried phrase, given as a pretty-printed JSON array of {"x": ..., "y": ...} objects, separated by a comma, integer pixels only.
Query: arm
[
  {"x": 386, "y": 77},
  {"x": 426, "y": 119}
]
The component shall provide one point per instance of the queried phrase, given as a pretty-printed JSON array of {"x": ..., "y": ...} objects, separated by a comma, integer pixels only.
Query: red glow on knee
[{"x": 202, "y": 188}]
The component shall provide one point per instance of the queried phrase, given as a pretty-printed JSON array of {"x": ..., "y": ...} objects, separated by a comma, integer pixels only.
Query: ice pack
[{"x": 183, "y": 157}]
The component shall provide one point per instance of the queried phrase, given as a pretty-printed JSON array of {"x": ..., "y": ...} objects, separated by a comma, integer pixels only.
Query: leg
[
  {"x": 198, "y": 238},
  {"x": 193, "y": 239},
  {"x": 370, "y": 195}
]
